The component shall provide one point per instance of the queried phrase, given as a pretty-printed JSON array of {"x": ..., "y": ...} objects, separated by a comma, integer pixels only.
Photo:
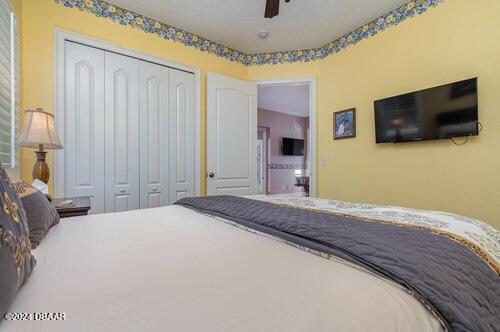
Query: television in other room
[
  {"x": 442, "y": 112},
  {"x": 292, "y": 147}
]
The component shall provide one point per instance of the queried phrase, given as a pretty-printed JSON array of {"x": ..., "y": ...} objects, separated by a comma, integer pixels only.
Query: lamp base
[{"x": 41, "y": 168}]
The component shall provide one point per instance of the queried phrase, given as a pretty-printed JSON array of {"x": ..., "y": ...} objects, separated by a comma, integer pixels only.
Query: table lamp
[{"x": 39, "y": 131}]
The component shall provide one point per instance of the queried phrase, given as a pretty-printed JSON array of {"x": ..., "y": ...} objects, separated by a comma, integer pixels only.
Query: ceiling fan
[{"x": 273, "y": 8}]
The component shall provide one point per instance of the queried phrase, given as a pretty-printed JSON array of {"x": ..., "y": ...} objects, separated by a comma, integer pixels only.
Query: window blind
[{"x": 9, "y": 85}]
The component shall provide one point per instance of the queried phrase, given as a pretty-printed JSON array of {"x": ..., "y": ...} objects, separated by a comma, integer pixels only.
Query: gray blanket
[{"x": 446, "y": 276}]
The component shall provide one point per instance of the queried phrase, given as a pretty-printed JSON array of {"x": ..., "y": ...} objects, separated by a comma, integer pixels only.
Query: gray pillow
[
  {"x": 40, "y": 213},
  {"x": 16, "y": 261}
]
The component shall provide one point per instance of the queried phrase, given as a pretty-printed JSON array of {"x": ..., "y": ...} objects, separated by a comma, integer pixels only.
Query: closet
[{"x": 129, "y": 130}]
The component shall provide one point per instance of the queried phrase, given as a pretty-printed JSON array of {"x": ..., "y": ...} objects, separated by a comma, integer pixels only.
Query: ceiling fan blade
[{"x": 272, "y": 8}]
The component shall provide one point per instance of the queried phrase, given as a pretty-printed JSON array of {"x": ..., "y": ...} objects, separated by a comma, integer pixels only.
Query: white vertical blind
[{"x": 9, "y": 85}]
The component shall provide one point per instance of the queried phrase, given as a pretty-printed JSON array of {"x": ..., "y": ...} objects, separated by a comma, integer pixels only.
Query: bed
[{"x": 180, "y": 268}]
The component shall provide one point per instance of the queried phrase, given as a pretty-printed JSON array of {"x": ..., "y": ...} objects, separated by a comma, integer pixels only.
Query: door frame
[
  {"x": 265, "y": 156},
  {"x": 312, "y": 82},
  {"x": 60, "y": 38}
]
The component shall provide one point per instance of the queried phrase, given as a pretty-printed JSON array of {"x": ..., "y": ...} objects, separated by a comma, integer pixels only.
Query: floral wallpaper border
[
  {"x": 125, "y": 17},
  {"x": 286, "y": 166}
]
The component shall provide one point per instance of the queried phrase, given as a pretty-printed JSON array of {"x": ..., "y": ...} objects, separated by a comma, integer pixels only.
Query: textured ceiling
[
  {"x": 301, "y": 23},
  {"x": 289, "y": 99}
]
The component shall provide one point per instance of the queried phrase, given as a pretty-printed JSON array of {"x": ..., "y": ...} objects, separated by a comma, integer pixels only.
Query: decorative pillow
[
  {"x": 16, "y": 261},
  {"x": 40, "y": 213}
]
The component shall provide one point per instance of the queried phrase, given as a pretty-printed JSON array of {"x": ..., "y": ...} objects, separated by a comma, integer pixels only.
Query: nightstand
[{"x": 81, "y": 207}]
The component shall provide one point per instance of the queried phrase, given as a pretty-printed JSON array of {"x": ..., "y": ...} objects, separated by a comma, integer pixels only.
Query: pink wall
[{"x": 283, "y": 125}]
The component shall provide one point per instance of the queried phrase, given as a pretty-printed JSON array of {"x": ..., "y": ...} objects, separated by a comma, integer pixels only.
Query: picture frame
[{"x": 344, "y": 124}]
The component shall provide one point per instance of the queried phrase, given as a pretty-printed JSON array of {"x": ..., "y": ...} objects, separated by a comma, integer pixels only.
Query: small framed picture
[{"x": 344, "y": 123}]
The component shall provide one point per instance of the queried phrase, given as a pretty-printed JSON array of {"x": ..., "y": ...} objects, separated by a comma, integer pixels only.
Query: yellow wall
[
  {"x": 40, "y": 17},
  {"x": 457, "y": 40}
]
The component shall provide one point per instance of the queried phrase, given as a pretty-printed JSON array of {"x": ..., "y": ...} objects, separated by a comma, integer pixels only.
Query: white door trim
[
  {"x": 60, "y": 38},
  {"x": 265, "y": 156},
  {"x": 311, "y": 80}
]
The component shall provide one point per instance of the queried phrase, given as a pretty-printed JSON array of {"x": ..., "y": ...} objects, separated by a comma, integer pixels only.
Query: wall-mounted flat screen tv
[
  {"x": 293, "y": 147},
  {"x": 442, "y": 112}
]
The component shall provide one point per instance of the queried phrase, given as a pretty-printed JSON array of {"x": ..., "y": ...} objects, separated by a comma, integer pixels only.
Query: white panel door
[
  {"x": 122, "y": 132},
  {"x": 154, "y": 135},
  {"x": 84, "y": 124},
  {"x": 231, "y": 136},
  {"x": 182, "y": 135}
]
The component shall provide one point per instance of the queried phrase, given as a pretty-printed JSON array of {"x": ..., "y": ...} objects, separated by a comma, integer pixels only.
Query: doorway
[
  {"x": 232, "y": 142},
  {"x": 286, "y": 159}
]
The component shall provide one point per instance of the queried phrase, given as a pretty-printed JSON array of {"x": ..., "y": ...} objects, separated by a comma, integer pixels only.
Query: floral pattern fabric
[
  {"x": 16, "y": 261},
  {"x": 482, "y": 235}
]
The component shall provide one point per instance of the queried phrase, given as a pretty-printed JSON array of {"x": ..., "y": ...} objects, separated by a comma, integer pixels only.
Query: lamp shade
[{"x": 39, "y": 129}]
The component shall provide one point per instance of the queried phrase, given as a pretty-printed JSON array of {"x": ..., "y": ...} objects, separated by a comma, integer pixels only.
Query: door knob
[
  {"x": 211, "y": 175},
  {"x": 154, "y": 189},
  {"x": 122, "y": 190}
]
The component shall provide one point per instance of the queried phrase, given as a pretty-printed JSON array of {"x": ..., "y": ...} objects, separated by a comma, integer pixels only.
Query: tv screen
[
  {"x": 436, "y": 113},
  {"x": 293, "y": 147}
]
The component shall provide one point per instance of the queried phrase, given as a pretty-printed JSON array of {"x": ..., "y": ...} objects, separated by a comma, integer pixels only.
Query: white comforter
[{"x": 172, "y": 269}]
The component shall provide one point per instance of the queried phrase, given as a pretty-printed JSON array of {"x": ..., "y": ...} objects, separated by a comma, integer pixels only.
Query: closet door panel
[
  {"x": 84, "y": 132},
  {"x": 121, "y": 133},
  {"x": 154, "y": 134},
  {"x": 182, "y": 135}
]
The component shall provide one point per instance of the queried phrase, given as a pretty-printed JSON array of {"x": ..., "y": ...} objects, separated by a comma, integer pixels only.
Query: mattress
[{"x": 173, "y": 269}]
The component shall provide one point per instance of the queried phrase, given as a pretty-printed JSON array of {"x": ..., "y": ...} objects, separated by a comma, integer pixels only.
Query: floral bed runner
[{"x": 473, "y": 231}]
